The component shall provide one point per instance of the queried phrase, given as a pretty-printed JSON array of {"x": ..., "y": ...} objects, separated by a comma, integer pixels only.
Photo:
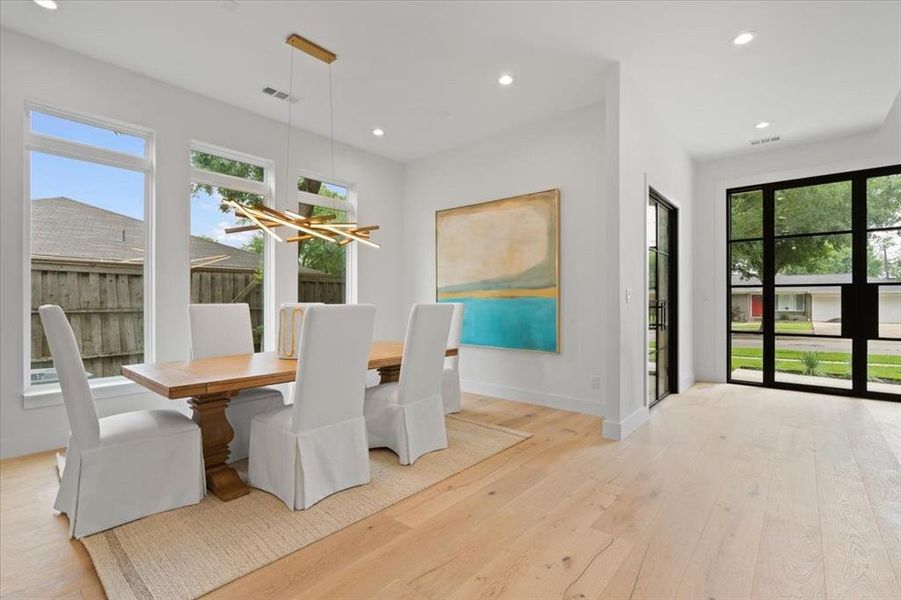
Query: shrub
[{"x": 811, "y": 362}]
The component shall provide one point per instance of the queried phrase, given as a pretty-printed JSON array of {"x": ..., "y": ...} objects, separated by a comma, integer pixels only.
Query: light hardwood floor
[{"x": 729, "y": 492}]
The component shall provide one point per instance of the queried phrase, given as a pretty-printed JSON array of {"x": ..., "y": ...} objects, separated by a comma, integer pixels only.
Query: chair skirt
[
  {"x": 303, "y": 468},
  {"x": 450, "y": 390},
  {"x": 410, "y": 430},
  {"x": 130, "y": 475}
]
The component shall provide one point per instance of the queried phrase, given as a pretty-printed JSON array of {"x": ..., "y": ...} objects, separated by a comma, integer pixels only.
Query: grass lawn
[
  {"x": 884, "y": 367},
  {"x": 891, "y": 360},
  {"x": 892, "y": 374},
  {"x": 794, "y": 326}
]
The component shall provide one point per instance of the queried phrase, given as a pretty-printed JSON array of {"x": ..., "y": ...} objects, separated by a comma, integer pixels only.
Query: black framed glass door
[
  {"x": 662, "y": 298},
  {"x": 814, "y": 288}
]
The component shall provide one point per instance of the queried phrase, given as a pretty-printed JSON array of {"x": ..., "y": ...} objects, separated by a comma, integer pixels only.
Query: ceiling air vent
[
  {"x": 271, "y": 91},
  {"x": 766, "y": 140}
]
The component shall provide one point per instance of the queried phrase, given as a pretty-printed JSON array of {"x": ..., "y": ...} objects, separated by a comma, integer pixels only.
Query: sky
[{"x": 114, "y": 189}]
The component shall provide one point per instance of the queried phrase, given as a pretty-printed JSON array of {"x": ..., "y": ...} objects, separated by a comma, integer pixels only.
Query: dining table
[{"x": 210, "y": 383}]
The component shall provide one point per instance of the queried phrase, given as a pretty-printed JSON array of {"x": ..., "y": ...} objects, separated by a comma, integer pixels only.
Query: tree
[
  {"x": 217, "y": 164},
  {"x": 811, "y": 209},
  {"x": 318, "y": 254},
  {"x": 321, "y": 255},
  {"x": 254, "y": 244},
  {"x": 884, "y": 210}
]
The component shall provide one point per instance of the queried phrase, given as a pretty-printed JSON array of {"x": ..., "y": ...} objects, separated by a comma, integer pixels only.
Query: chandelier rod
[
  {"x": 290, "y": 128},
  {"x": 331, "y": 118}
]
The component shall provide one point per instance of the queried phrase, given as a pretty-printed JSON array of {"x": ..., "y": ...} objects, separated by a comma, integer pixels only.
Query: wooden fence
[{"x": 104, "y": 303}]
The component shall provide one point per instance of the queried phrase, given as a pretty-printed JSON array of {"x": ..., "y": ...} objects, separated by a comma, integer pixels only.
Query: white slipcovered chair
[
  {"x": 224, "y": 330},
  {"x": 407, "y": 416},
  {"x": 284, "y": 329},
  {"x": 450, "y": 379},
  {"x": 122, "y": 467},
  {"x": 316, "y": 447}
]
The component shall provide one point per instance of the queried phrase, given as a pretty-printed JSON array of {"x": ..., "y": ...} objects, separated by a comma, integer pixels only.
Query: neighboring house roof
[
  {"x": 799, "y": 280},
  {"x": 65, "y": 228},
  {"x": 806, "y": 284}
]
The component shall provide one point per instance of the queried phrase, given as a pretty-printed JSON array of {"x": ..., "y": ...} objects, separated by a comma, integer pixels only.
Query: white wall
[
  {"x": 603, "y": 158},
  {"x": 714, "y": 177},
  {"x": 648, "y": 156},
  {"x": 36, "y": 71},
  {"x": 565, "y": 153}
]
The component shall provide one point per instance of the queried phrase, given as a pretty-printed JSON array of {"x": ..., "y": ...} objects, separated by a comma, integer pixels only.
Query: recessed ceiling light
[
  {"x": 762, "y": 125},
  {"x": 505, "y": 79},
  {"x": 48, "y": 4},
  {"x": 377, "y": 132},
  {"x": 745, "y": 37}
]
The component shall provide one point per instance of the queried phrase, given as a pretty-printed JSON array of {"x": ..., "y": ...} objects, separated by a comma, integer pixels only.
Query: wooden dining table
[{"x": 211, "y": 383}]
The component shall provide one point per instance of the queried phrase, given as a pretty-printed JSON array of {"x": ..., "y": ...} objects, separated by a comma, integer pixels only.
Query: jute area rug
[{"x": 190, "y": 551}]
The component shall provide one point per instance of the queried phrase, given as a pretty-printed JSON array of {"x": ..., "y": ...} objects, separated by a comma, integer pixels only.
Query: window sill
[{"x": 49, "y": 394}]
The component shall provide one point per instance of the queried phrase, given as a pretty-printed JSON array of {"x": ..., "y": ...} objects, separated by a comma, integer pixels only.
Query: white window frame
[
  {"x": 49, "y": 394},
  {"x": 349, "y": 206},
  {"x": 266, "y": 189}
]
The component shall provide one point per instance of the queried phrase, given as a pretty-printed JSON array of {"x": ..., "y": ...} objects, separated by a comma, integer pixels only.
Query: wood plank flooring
[{"x": 728, "y": 492}]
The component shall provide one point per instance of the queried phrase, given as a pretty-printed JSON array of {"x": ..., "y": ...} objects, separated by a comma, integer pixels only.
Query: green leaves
[
  {"x": 747, "y": 215},
  {"x": 884, "y": 201},
  {"x": 321, "y": 255},
  {"x": 813, "y": 209},
  {"x": 225, "y": 166}
]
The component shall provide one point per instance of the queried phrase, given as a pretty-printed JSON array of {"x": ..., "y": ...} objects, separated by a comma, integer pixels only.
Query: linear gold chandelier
[{"x": 322, "y": 227}]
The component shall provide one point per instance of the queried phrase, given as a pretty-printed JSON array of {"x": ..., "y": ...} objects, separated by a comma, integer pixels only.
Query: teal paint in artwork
[{"x": 522, "y": 323}]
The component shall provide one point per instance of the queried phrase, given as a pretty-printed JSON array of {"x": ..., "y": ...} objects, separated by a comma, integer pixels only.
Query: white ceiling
[{"x": 426, "y": 72}]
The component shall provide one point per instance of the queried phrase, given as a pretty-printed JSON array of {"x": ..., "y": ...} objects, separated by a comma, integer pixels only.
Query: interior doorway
[{"x": 663, "y": 271}]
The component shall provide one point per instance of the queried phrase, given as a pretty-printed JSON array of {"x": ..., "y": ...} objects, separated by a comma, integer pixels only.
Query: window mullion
[
  {"x": 230, "y": 182},
  {"x": 324, "y": 201},
  {"x": 768, "y": 281},
  {"x": 60, "y": 147}
]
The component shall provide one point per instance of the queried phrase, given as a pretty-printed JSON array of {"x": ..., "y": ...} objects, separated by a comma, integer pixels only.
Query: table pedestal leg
[
  {"x": 389, "y": 374},
  {"x": 216, "y": 432}
]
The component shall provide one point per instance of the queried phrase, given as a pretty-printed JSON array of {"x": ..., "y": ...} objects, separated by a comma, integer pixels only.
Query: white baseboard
[
  {"x": 685, "y": 384},
  {"x": 579, "y": 405},
  {"x": 621, "y": 430}
]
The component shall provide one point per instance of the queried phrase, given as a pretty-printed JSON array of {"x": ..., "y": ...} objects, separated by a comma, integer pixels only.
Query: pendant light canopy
[{"x": 268, "y": 219}]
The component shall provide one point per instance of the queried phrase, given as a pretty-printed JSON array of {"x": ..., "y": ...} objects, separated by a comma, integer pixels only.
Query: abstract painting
[{"x": 501, "y": 260}]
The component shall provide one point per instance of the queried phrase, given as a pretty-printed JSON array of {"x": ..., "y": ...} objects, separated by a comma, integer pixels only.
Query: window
[
  {"x": 815, "y": 283},
  {"x": 746, "y": 273},
  {"x": 228, "y": 267},
  {"x": 323, "y": 265},
  {"x": 884, "y": 267},
  {"x": 108, "y": 137},
  {"x": 88, "y": 191},
  {"x": 884, "y": 229},
  {"x": 790, "y": 302}
]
